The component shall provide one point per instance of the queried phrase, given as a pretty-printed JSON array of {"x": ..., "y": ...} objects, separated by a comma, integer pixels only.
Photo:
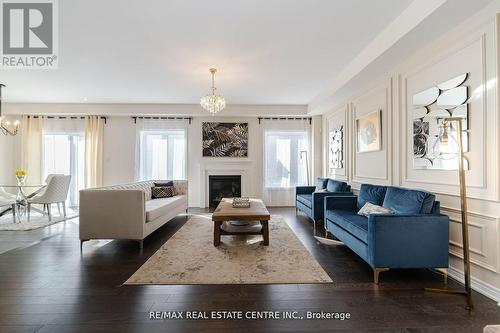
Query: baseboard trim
[{"x": 476, "y": 284}]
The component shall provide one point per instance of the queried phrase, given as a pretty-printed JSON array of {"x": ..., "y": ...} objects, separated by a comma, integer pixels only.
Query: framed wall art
[
  {"x": 368, "y": 132},
  {"x": 225, "y": 139}
]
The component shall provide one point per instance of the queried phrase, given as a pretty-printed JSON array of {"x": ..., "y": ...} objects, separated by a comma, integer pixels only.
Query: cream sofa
[{"x": 126, "y": 211}]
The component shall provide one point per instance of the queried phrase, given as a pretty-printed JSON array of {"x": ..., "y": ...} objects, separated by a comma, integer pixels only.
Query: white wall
[
  {"x": 6, "y": 159},
  {"x": 470, "y": 47}
]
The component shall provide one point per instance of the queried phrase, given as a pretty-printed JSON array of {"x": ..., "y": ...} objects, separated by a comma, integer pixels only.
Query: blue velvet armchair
[
  {"x": 312, "y": 203},
  {"x": 416, "y": 235}
]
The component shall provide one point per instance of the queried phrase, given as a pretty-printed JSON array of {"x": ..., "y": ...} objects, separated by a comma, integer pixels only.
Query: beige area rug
[
  {"x": 190, "y": 257},
  {"x": 37, "y": 220}
]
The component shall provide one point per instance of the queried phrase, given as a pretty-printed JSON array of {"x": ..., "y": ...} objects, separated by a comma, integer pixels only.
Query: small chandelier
[
  {"x": 213, "y": 103},
  {"x": 5, "y": 126}
]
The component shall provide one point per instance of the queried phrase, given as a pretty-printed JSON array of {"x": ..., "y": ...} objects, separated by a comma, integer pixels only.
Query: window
[
  {"x": 162, "y": 154},
  {"x": 283, "y": 165},
  {"x": 64, "y": 153}
]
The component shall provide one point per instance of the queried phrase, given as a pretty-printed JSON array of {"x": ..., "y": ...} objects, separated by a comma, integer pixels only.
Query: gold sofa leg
[
  {"x": 376, "y": 272},
  {"x": 444, "y": 271}
]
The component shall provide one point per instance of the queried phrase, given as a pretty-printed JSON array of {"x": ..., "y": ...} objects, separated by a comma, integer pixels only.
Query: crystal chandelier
[
  {"x": 213, "y": 103},
  {"x": 5, "y": 126}
]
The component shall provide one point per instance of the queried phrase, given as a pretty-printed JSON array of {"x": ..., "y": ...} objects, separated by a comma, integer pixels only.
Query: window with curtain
[
  {"x": 284, "y": 167},
  {"x": 162, "y": 154},
  {"x": 64, "y": 153}
]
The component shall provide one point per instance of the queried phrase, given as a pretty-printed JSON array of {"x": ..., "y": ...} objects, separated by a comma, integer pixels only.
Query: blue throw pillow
[
  {"x": 428, "y": 204},
  {"x": 371, "y": 193},
  {"x": 335, "y": 186},
  {"x": 321, "y": 183},
  {"x": 406, "y": 201}
]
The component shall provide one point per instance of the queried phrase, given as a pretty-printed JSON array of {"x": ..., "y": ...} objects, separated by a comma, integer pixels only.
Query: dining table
[{"x": 22, "y": 196}]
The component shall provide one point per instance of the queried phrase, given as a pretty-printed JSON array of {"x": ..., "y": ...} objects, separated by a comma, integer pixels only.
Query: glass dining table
[{"x": 21, "y": 196}]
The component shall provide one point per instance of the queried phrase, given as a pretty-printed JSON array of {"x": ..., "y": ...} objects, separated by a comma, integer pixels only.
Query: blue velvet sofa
[
  {"x": 312, "y": 203},
  {"x": 415, "y": 235}
]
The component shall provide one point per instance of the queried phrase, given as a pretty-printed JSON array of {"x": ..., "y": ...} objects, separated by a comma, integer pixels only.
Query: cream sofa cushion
[{"x": 159, "y": 207}]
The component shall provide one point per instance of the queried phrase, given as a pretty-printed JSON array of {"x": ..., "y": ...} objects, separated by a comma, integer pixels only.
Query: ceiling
[{"x": 157, "y": 51}]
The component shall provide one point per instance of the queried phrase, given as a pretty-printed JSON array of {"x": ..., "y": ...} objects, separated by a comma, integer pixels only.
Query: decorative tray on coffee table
[{"x": 241, "y": 202}]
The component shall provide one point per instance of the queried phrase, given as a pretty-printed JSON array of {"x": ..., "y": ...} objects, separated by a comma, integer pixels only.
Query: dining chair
[
  {"x": 4, "y": 194},
  {"x": 8, "y": 201},
  {"x": 56, "y": 192}
]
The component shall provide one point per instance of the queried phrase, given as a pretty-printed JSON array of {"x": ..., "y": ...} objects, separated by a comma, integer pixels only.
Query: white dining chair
[
  {"x": 6, "y": 195},
  {"x": 56, "y": 192},
  {"x": 6, "y": 201}
]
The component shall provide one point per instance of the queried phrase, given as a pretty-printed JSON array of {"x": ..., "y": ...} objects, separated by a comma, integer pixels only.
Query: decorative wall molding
[
  {"x": 480, "y": 286},
  {"x": 485, "y": 252},
  {"x": 386, "y": 86},
  {"x": 485, "y": 188}
]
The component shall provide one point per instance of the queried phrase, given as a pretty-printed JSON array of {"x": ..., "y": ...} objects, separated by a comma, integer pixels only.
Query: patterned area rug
[
  {"x": 37, "y": 220},
  {"x": 190, "y": 257}
]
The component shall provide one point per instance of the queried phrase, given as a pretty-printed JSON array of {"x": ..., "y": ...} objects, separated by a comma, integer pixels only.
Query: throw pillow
[
  {"x": 321, "y": 190},
  {"x": 335, "y": 186},
  {"x": 167, "y": 183},
  {"x": 158, "y": 192},
  {"x": 370, "y": 208},
  {"x": 321, "y": 183}
]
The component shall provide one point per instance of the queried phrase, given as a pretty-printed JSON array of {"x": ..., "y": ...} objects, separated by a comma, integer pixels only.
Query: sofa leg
[
  {"x": 141, "y": 244},
  {"x": 376, "y": 272},
  {"x": 81, "y": 244},
  {"x": 444, "y": 271}
]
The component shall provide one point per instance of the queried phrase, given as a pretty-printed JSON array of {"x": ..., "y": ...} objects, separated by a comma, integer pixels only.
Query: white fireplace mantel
[{"x": 223, "y": 167}]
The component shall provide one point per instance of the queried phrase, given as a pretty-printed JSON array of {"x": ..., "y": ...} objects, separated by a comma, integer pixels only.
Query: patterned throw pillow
[
  {"x": 158, "y": 192},
  {"x": 321, "y": 190},
  {"x": 370, "y": 208}
]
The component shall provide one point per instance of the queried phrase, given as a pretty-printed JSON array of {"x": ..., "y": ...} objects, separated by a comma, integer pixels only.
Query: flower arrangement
[
  {"x": 21, "y": 176},
  {"x": 21, "y": 173}
]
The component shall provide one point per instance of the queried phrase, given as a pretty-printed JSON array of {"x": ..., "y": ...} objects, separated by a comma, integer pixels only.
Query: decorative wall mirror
[
  {"x": 430, "y": 108},
  {"x": 336, "y": 148}
]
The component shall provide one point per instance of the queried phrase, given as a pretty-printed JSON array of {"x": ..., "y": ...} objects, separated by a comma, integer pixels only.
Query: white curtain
[
  {"x": 287, "y": 159},
  {"x": 63, "y": 152},
  {"x": 161, "y": 149},
  {"x": 31, "y": 159},
  {"x": 93, "y": 151}
]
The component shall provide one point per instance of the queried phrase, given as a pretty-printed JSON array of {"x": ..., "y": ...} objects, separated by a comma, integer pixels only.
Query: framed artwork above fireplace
[{"x": 225, "y": 139}]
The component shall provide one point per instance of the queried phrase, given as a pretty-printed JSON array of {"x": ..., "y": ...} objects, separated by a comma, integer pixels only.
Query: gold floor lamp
[{"x": 444, "y": 138}]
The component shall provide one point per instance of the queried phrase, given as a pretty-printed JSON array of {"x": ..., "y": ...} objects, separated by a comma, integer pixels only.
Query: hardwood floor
[{"x": 47, "y": 286}]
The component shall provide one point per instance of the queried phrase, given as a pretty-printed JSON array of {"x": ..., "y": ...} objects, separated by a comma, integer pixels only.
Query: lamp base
[
  {"x": 469, "y": 306},
  {"x": 328, "y": 241}
]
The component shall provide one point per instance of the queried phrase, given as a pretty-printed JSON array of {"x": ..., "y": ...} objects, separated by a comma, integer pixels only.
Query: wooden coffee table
[{"x": 225, "y": 212}]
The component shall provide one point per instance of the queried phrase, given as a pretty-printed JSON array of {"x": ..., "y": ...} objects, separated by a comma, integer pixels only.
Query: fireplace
[{"x": 223, "y": 187}]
